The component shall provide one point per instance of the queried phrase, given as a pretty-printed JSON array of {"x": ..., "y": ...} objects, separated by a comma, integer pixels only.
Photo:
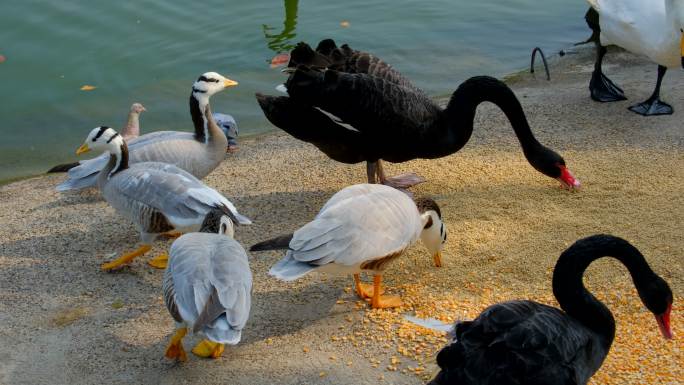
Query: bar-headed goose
[
  {"x": 361, "y": 228},
  {"x": 651, "y": 28},
  {"x": 198, "y": 152},
  {"x": 207, "y": 287},
  {"x": 131, "y": 130},
  {"x": 157, "y": 197}
]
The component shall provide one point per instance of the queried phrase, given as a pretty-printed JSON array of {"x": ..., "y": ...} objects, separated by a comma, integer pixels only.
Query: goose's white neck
[{"x": 119, "y": 152}]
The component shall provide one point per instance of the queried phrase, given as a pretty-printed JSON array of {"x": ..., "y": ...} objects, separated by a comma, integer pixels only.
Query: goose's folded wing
[
  {"x": 157, "y": 137},
  {"x": 88, "y": 167},
  {"x": 167, "y": 188},
  {"x": 354, "y": 191},
  {"x": 357, "y": 229},
  {"x": 211, "y": 277},
  {"x": 156, "y": 146},
  {"x": 232, "y": 279}
]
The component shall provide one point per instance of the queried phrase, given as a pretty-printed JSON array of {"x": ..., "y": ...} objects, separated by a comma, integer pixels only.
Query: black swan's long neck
[
  {"x": 569, "y": 289},
  {"x": 460, "y": 113}
]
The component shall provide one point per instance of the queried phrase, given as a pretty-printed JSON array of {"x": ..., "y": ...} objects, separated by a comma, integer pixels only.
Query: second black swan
[{"x": 525, "y": 342}]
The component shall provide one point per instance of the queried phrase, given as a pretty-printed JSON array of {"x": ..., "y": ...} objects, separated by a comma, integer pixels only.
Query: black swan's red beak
[
  {"x": 664, "y": 323},
  {"x": 567, "y": 179}
]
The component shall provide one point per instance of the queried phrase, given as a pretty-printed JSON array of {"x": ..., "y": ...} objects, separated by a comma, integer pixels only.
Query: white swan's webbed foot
[
  {"x": 652, "y": 108},
  {"x": 603, "y": 89}
]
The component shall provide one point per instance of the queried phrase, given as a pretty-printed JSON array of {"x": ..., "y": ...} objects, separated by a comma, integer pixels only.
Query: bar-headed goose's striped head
[
  {"x": 217, "y": 221},
  {"x": 210, "y": 83},
  {"x": 434, "y": 234},
  {"x": 102, "y": 138}
]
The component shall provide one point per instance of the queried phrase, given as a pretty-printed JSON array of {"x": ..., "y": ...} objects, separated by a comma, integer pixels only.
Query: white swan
[{"x": 654, "y": 28}]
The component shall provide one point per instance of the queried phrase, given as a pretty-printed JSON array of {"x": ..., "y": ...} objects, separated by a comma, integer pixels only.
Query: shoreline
[
  {"x": 509, "y": 78},
  {"x": 69, "y": 323}
]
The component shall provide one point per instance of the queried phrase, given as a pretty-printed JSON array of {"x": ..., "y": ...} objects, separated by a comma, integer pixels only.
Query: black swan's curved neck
[
  {"x": 460, "y": 112},
  {"x": 569, "y": 289}
]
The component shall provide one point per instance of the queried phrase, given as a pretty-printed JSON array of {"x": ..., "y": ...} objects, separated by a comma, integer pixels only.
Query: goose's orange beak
[
  {"x": 229, "y": 83},
  {"x": 84, "y": 148},
  {"x": 437, "y": 258}
]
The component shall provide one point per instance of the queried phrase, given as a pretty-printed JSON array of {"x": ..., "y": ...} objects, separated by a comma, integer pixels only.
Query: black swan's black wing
[
  {"x": 308, "y": 124},
  {"x": 393, "y": 120},
  {"x": 345, "y": 59},
  {"x": 520, "y": 342}
]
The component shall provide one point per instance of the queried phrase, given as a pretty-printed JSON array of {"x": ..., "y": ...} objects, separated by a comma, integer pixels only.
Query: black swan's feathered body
[
  {"x": 354, "y": 116},
  {"x": 345, "y": 59},
  {"x": 525, "y": 342}
]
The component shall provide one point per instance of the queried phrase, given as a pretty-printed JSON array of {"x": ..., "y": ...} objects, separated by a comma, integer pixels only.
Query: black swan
[
  {"x": 525, "y": 342},
  {"x": 354, "y": 117}
]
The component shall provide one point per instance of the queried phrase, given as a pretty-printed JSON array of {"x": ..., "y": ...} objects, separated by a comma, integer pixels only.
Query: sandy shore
[{"x": 63, "y": 321}]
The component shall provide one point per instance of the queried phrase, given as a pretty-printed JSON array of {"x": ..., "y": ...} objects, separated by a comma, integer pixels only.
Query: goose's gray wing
[
  {"x": 173, "y": 147},
  {"x": 362, "y": 224},
  {"x": 178, "y": 195},
  {"x": 85, "y": 174},
  {"x": 213, "y": 283},
  {"x": 353, "y": 191}
]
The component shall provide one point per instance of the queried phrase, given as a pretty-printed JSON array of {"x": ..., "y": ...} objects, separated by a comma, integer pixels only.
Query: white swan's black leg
[
  {"x": 603, "y": 89},
  {"x": 653, "y": 105},
  {"x": 400, "y": 182}
]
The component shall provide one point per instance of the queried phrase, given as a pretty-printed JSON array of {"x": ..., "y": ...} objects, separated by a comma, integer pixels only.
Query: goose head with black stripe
[
  {"x": 434, "y": 233},
  {"x": 206, "y": 85},
  {"x": 107, "y": 139}
]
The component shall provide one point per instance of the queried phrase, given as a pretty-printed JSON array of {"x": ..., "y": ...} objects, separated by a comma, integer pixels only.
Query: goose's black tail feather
[
  {"x": 63, "y": 167},
  {"x": 277, "y": 243}
]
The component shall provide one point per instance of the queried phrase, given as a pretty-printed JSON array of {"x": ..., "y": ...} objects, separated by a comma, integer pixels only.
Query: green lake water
[{"x": 152, "y": 51}]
